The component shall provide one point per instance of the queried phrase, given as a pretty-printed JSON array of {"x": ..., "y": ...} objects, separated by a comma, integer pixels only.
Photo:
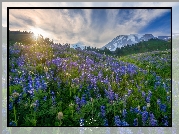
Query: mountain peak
[
  {"x": 78, "y": 45},
  {"x": 123, "y": 40}
]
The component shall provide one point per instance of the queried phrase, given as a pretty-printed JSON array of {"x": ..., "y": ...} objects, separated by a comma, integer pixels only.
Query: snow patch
[
  {"x": 120, "y": 38},
  {"x": 115, "y": 45},
  {"x": 139, "y": 36},
  {"x": 132, "y": 38}
]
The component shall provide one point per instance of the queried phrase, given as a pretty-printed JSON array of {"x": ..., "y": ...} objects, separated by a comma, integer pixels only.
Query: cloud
[
  {"x": 72, "y": 27},
  {"x": 130, "y": 25}
]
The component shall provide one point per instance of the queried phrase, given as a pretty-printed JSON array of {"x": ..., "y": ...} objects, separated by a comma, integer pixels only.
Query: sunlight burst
[{"x": 36, "y": 31}]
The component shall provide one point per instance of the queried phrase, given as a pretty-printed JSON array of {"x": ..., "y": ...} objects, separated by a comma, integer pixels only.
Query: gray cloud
[{"x": 24, "y": 20}]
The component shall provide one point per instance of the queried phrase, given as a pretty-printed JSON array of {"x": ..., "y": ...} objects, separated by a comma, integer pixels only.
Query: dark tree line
[
  {"x": 105, "y": 51},
  {"x": 27, "y": 38}
]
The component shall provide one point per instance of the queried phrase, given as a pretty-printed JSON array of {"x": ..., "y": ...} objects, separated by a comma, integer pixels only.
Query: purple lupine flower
[
  {"x": 136, "y": 110},
  {"x": 135, "y": 122},
  {"x": 153, "y": 122},
  {"x": 144, "y": 108},
  {"x": 168, "y": 98},
  {"x": 151, "y": 115},
  {"x": 144, "y": 116},
  {"x": 164, "y": 85},
  {"x": 157, "y": 84},
  {"x": 109, "y": 87},
  {"x": 77, "y": 99},
  {"x": 100, "y": 74},
  {"x": 53, "y": 100},
  {"x": 149, "y": 93},
  {"x": 116, "y": 96},
  {"x": 163, "y": 107},
  {"x": 124, "y": 112},
  {"x": 158, "y": 101},
  {"x": 44, "y": 85},
  {"x": 20, "y": 97},
  {"x": 165, "y": 121},
  {"x": 103, "y": 111},
  {"x": 111, "y": 95},
  {"x": 129, "y": 92},
  {"x": 98, "y": 95},
  {"x": 105, "y": 122},
  {"x": 83, "y": 101},
  {"x": 31, "y": 92},
  {"x": 52, "y": 93},
  {"x": 124, "y": 123},
  {"x": 45, "y": 98},
  {"x": 106, "y": 92},
  {"x": 158, "y": 78},
  {"x": 148, "y": 99},
  {"x": 117, "y": 121},
  {"x": 12, "y": 123},
  {"x": 11, "y": 106},
  {"x": 29, "y": 78},
  {"x": 143, "y": 94},
  {"x": 37, "y": 83}
]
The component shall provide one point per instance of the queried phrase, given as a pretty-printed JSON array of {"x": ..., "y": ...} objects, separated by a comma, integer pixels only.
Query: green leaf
[{"x": 57, "y": 123}]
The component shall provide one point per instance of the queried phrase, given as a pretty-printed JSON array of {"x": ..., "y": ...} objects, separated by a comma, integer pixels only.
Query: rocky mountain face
[
  {"x": 123, "y": 40},
  {"x": 78, "y": 45}
]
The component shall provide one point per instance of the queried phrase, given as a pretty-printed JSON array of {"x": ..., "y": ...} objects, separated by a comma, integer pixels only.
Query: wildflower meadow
[{"x": 55, "y": 85}]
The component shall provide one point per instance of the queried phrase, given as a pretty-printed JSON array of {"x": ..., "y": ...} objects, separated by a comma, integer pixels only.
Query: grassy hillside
[
  {"x": 55, "y": 85},
  {"x": 156, "y": 61}
]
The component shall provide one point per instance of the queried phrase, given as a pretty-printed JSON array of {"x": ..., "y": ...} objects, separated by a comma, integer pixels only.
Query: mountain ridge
[{"x": 124, "y": 40}]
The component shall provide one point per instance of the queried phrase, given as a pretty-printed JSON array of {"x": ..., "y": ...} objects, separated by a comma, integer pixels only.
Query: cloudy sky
[{"x": 94, "y": 27}]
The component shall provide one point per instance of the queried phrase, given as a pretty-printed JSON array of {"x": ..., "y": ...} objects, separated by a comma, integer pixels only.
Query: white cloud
[
  {"x": 131, "y": 26},
  {"x": 61, "y": 27}
]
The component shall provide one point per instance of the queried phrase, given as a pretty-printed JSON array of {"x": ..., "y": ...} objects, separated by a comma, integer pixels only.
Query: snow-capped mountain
[
  {"x": 78, "y": 45},
  {"x": 123, "y": 40}
]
